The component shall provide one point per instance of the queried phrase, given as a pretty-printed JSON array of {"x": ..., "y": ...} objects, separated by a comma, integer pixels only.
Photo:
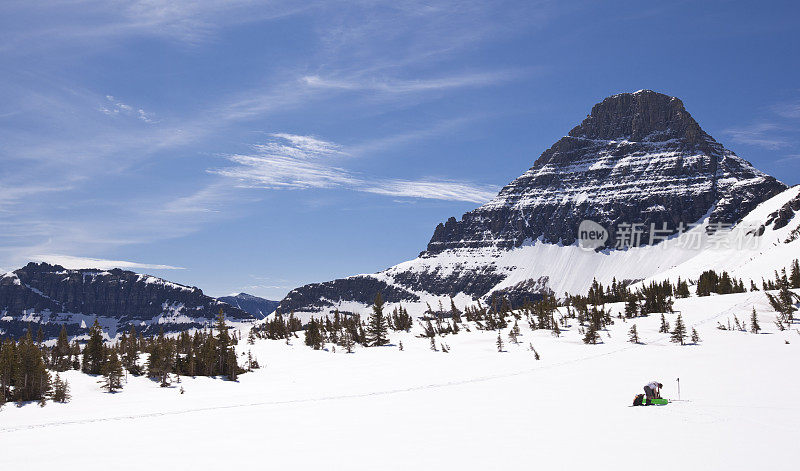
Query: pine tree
[
  {"x": 400, "y": 345},
  {"x": 454, "y": 311},
  {"x": 8, "y": 354},
  {"x": 30, "y": 378},
  {"x": 631, "y": 307},
  {"x": 223, "y": 345},
  {"x": 591, "y": 336},
  {"x": 232, "y": 365},
  {"x": 679, "y": 333},
  {"x": 347, "y": 342},
  {"x": 754, "y": 326},
  {"x": 61, "y": 352},
  {"x": 695, "y": 336},
  {"x": 130, "y": 353},
  {"x": 161, "y": 361},
  {"x": 633, "y": 334},
  {"x": 499, "y": 342},
  {"x": 513, "y": 333},
  {"x": 664, "y": 325},
  {"x": 377, "y": 330},
  {"x": 682, "y": 289},
  {"x": 112, "y": 372},
  {"x": 794, "y": 278},
  {"x": 313, "y": 336},
  {"x": 94, "y": 352},
  {"x": 61, "y": 390}
]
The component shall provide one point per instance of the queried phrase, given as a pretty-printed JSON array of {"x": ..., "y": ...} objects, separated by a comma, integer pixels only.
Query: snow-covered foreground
[{"x": 472, "y": 408}]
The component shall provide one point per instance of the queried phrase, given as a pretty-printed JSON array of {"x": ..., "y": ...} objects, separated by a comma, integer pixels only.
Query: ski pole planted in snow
[{"x": 679, "y": 389}]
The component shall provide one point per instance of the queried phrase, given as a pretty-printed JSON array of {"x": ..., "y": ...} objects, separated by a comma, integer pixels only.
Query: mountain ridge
[{"x": 52, "y": 296}]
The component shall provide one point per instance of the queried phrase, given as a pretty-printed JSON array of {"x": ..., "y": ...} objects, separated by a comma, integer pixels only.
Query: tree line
[{"x": 25, "y": 364}]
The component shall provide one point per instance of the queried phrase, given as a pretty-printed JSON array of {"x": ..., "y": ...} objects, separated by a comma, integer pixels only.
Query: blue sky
[{"x": 257, "y": 146}]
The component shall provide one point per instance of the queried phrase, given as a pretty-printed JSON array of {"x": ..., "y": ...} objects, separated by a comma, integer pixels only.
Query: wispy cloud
[
  {"x": 787, "y": 110},
  {"x": 389, "y": 85},
  {"x": 433, "y": 189},
  {"x": 302, "y": 162},
  {"x": 72, "y": 262},
  {"x": 789, "y": 158},
  {"x": 760, "y": 134},
  {"x": 114, "y": 107},
  {"x": 66, "y": 23}
]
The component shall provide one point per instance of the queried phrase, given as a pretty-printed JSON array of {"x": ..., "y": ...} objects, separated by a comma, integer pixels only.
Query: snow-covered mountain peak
[{"x": 638, "y": 159}]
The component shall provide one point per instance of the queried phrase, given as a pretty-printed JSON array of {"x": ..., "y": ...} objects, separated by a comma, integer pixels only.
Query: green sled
[{"x": 659, "y": 402}]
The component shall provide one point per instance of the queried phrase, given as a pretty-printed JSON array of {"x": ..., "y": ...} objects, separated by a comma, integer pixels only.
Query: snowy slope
[
  {"x": 752, "y": 249},
  {"x": 753, "y": 257},
  {"x": 472, "y": 408}
]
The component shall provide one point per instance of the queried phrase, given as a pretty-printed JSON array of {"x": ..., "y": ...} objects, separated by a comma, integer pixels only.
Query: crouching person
[{"x": 652, "y": 391}]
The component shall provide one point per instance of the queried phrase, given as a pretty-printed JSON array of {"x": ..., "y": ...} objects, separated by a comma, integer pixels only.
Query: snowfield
[{"x": 471, "y": 408}]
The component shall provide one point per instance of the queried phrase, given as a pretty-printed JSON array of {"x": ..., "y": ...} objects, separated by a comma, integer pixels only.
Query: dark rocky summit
[
  {"x": 258, "y": 307},
  {"x": 637, "y": 158},
  {"x": 52, "y": 296}
]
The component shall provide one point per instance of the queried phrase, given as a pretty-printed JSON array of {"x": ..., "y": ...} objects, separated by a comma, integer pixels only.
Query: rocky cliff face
[
  {"x": 52, "y": 296},
  {"x": 638, "y": 158}
]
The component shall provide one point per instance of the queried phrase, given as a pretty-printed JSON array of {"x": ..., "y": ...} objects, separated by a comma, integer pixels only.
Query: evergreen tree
[
  {"x": 112, "y": 371},
  {"x": 591, "y": 335},
  {"x": 664, "y": 325},
  {"x": 8, "y": 355},
  {"x": 31, "y": 379},
  {"x": 695, "y": 336},
  {"x": 161, "y": 361},
  {"x": 130, "y": 353},
  {"x": 535, "y": 353},
  {"x": 556, "y": 329},
  {"x": 754, "y": 326},
  {"x": 94, "y": 352},
  {"x": 631, "y": 307},
  {"x": 682, "y": 289},
  {"x": 454, "y": 311},
  {"x": 223, "y": 345},
  {"x": 313, "y": 336},
  {"x": 61, "y": 352},
  {"x": 377, "y": 330},
  {"x": 633, "y": 334},
  {"x": 794, "y": 278},
  {"x": 499, "y": 342},
  {"x": 347, "y": 342},
  {"x": 679, "y": 333}
]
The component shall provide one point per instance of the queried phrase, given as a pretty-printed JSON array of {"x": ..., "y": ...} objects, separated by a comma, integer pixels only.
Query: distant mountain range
[
  {"x": 258, "y": 307},
  {"x": 50, "y": 296}
]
